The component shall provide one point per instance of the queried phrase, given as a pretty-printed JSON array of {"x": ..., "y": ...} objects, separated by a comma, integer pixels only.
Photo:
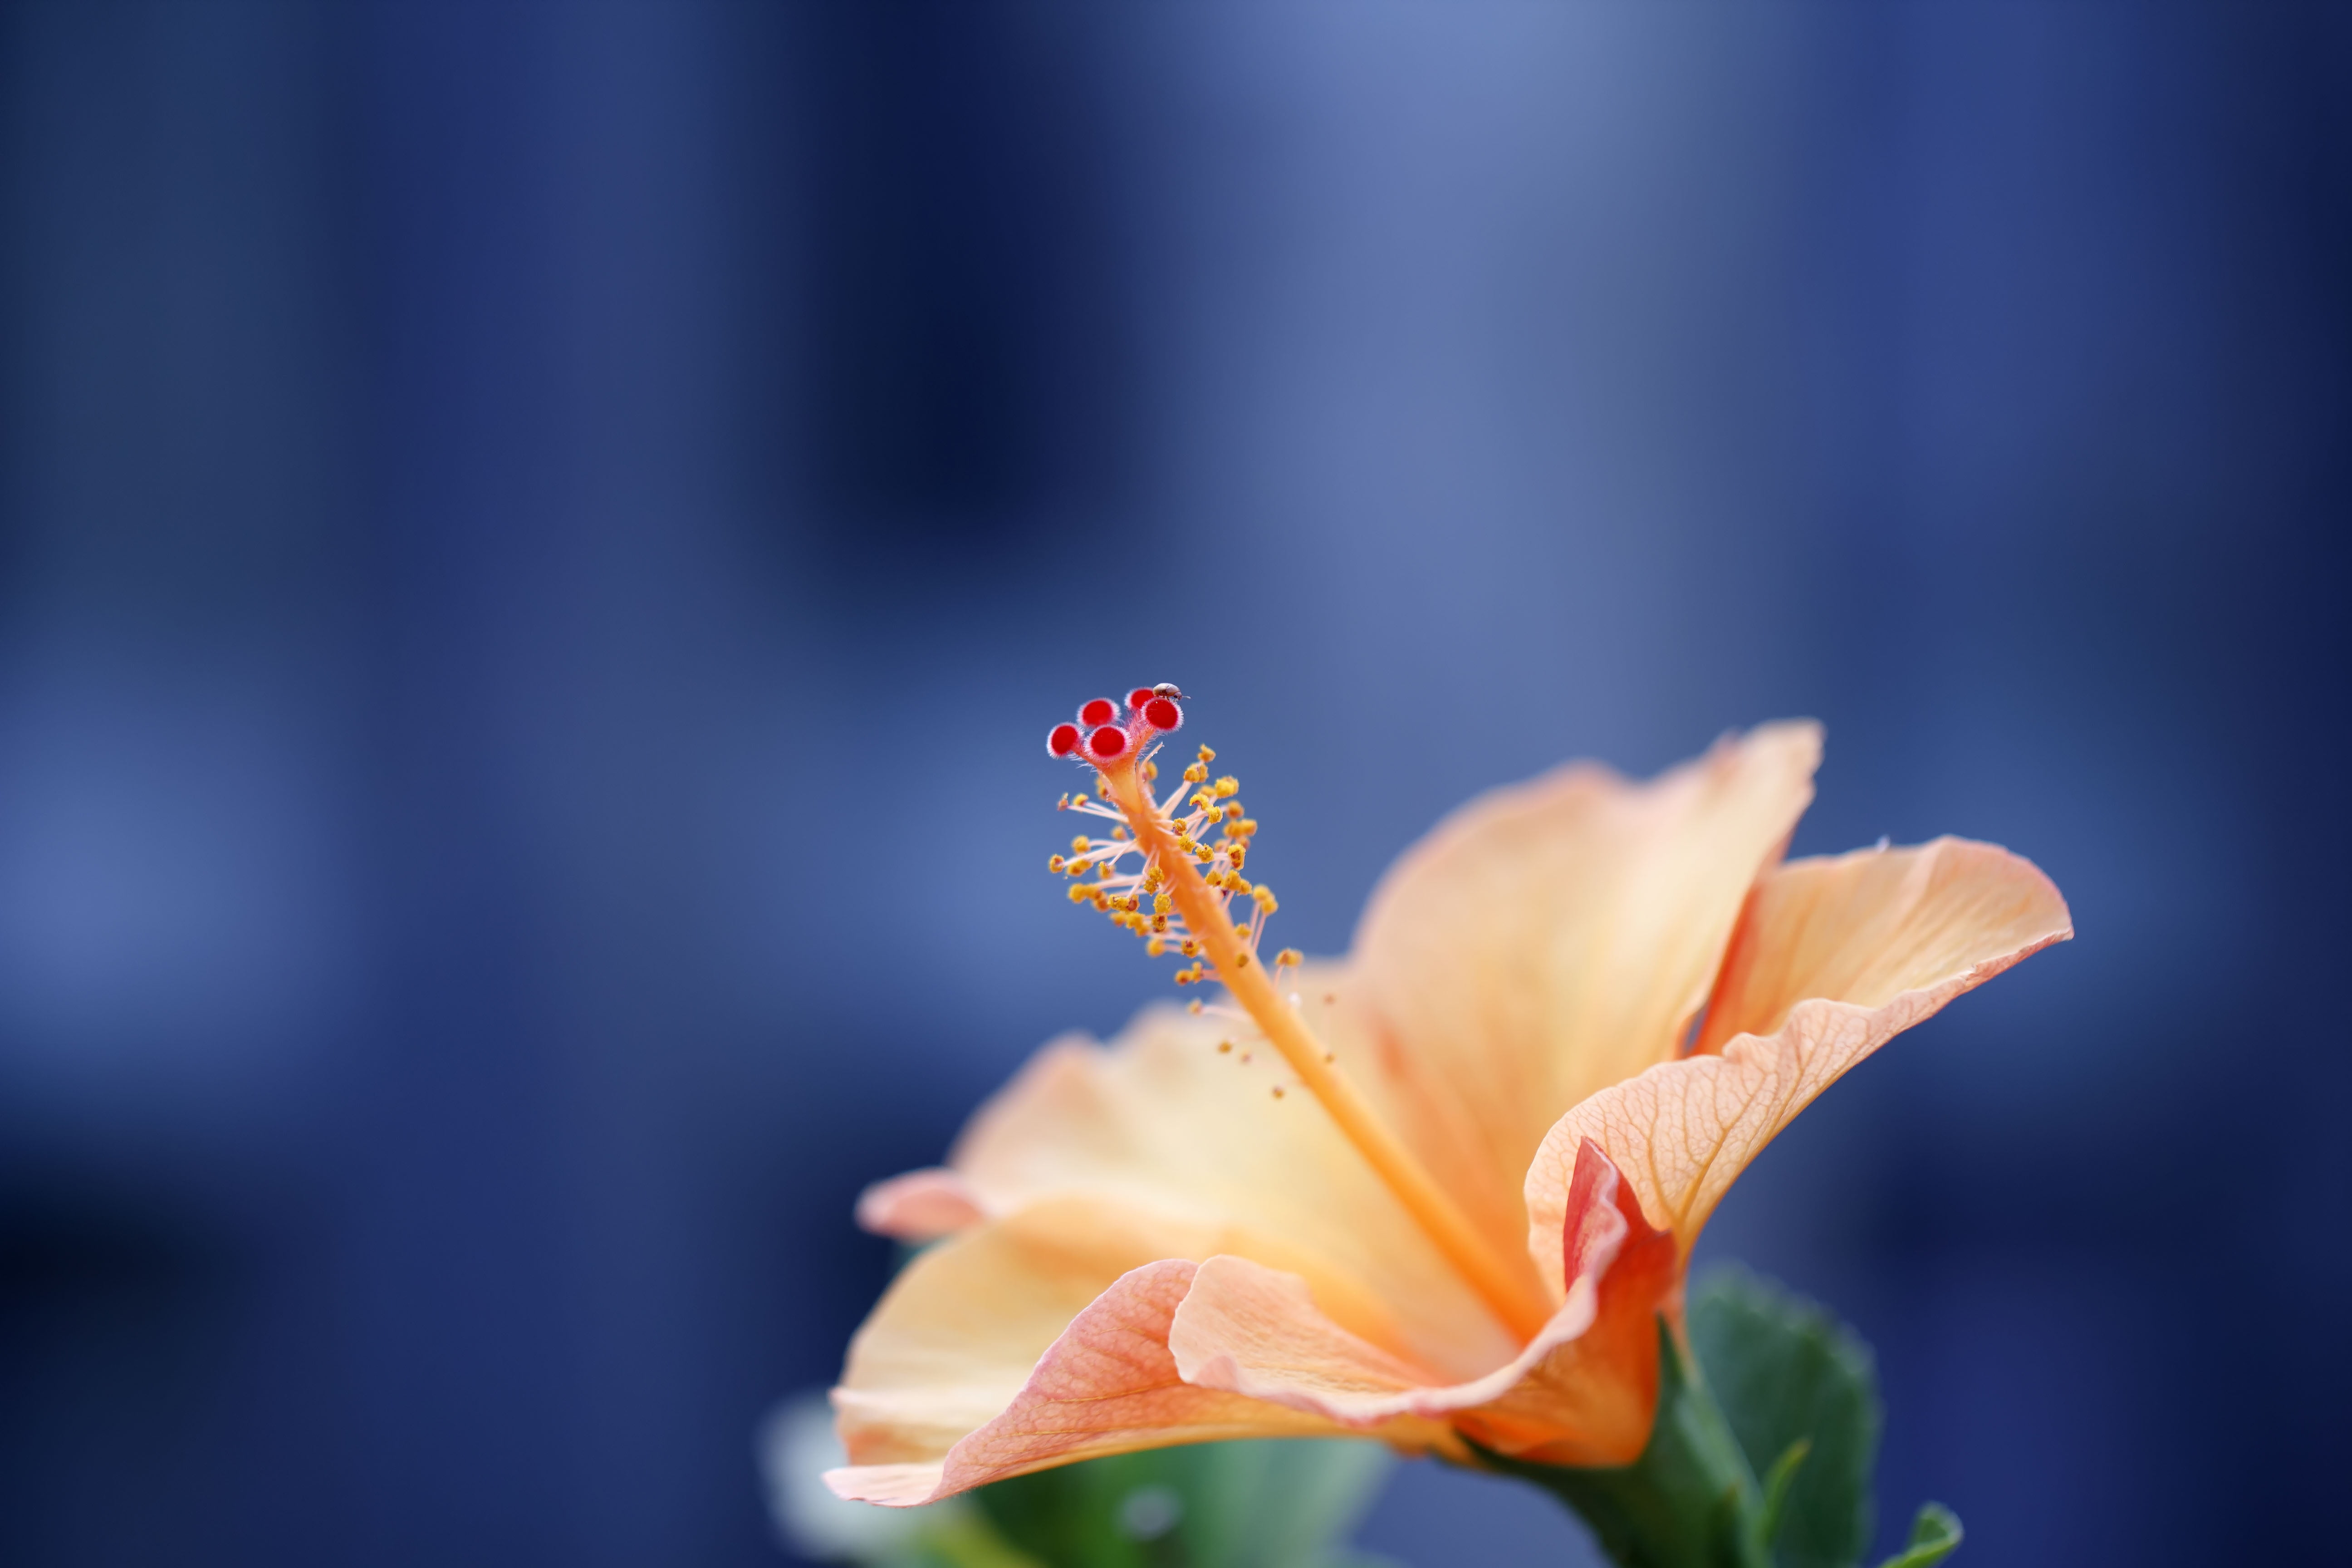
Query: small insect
[{"x": 1157, "y": 705}]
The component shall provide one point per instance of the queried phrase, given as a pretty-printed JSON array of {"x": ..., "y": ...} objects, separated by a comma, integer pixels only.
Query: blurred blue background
[{"x": 538, "y": 546}]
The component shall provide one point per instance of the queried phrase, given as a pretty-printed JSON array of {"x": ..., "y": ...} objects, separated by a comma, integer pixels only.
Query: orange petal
[
  {"x": 1549, "y": 940},
  {"x": 1029, "y": 1343},
  {"x": 1164, "y": 1122},
  {"x": 1834, "y": 958},
  {"x": 919, "y": 1207},
  {"x": 1866, "y": 927},
  {"x": 1581, "y": 1391}
]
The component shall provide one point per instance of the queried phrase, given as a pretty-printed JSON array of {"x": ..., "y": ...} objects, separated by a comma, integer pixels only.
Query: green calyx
[
  {"x": 1691, "y": 1501},
  {"x": 1780, "y": 1390}
]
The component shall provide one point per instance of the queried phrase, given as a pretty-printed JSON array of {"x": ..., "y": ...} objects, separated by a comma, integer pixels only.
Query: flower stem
[{"x": 1689, "y": 1501}]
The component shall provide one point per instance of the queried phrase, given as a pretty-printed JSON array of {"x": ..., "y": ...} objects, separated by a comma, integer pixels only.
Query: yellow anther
[
  {"x": 1077, "y": 893},
  {"x": 1225, "y": 1046},
  {"x": 1080, "y": 798},
  {"x": 1161, "y": 903},
  {"x": 1242, "y": 931},
  {"x": 1207, "y": 755},
  {"x": 1159, "y": 922},
  {"x": 1054, "y": 863},
  {"x": 1228, "y": 786},
  {"x": 1234, "y": 812},
  {"x": 1197, "y": 774},
  {"x": 1153, "y": 876},
  {"x": 1263, "y": 895},
  {"x": 1120, "y": 833},
  {"x": 1190, "y": 948},
  {"x": 1242, "y": 961},
  {"x": 1155, "y": 947},
  {"x": 1289, "y": 958},
  {"x": 1152, "y": 769},
  {"x": 1193, "y": 1008},
  {"x": 1081, "y": 844}
]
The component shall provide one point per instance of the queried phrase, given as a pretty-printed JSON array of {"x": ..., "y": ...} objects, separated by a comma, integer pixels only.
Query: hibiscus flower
[{"x": 1441, "y": 1191}]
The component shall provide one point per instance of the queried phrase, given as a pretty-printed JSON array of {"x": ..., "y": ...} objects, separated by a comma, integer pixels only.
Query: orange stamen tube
[{"x": 1510, "y": 1293}]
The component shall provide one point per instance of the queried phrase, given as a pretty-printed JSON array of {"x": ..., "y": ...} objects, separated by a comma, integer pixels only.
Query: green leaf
[
  {"x": 963, "y": 1539},
  {"x": 1258, "y": 1503},
  {"x": 1935, "y": 1535},
  {"x": 1784, "y": 1372},
  {"x": 1776, "y": 1487},
  {"x": 1280, "y": 1504}
]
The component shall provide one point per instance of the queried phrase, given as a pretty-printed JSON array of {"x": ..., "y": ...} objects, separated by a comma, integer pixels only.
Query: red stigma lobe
[{"x": 1110, "y": 737}]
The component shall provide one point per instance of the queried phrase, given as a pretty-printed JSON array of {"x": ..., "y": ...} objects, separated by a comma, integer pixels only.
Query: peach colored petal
[
  {"x": 919, "y": 1207},
  {"x": 1163, "y": 1121},
  {"x": 961, "y": 1329},
  {"x": 1834, "y": 958},
  {"x": 1865, "y": 927},
  {"x": 1257, "y": 1330},
  {"x": 1581, "y": 1391},
  {"x": 1030, "y": 1342},
  {"x": 1551, "y": 939}
]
